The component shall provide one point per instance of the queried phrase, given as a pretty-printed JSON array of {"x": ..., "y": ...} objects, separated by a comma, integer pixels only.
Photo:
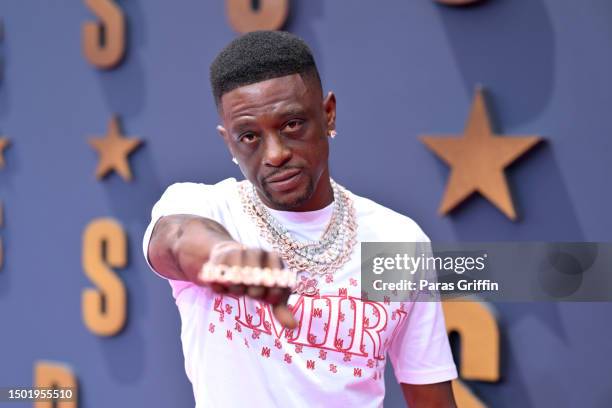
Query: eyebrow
[
  {"x": 293, "y": 110},
  {"x": 242, "y": 126},
  {"x": 245, "y": 124}
]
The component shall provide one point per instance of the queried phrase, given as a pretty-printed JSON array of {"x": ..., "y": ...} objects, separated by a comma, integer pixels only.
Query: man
[{"x": 247, "y": 337}]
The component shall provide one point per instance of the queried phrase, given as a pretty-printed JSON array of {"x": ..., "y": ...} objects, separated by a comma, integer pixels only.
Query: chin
[{"x": 291, "y": 199}]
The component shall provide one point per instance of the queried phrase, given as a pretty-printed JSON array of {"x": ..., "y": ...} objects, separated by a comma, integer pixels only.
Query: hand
[{"x": 232, "y": 253}]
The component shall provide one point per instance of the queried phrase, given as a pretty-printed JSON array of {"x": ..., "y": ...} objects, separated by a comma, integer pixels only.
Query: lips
[
  {"x": 285, "y": 181},
  {"x": 283, "y": 175}
]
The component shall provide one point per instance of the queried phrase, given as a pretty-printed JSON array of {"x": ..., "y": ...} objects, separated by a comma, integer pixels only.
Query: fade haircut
[{"x": 258, "y": 56}]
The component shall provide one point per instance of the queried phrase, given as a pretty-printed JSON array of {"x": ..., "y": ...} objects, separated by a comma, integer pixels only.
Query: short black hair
[{"x": 258, "y": 56}]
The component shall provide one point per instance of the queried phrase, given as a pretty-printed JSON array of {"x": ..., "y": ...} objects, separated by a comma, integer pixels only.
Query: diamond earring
[
  {"x": 234, "y": 160},
  {"x": 332, "y": 133}
]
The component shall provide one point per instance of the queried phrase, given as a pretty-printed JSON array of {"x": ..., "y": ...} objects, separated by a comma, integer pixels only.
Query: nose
[{"x": 276, "y": 152}]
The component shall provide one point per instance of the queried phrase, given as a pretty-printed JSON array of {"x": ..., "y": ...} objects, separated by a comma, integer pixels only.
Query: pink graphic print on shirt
[{"x": 350, "y": 326}]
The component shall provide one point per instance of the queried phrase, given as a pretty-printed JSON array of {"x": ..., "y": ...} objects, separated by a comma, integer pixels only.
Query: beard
[{"x": 293, "y": 199}]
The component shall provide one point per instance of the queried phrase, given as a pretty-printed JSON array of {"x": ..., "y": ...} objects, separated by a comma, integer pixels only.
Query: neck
[{"x": 322, "y": 196}]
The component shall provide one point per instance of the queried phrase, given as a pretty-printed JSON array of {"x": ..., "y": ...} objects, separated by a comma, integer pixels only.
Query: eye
[
  {"x": 293, "y": 125},
  {"x": 247, "y": 137}
]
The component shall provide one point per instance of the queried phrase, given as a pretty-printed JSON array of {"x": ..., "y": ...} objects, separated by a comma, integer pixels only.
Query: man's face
[{"x": 277, "y": 130}]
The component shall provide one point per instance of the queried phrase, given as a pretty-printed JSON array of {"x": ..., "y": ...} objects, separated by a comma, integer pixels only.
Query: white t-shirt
[{"x": 237, "y": 354}]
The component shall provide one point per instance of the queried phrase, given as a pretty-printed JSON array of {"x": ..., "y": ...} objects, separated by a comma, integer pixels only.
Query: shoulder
[
  {"x": 220, "y": 192},
  {"x": 189, "y": 189},
  {"x": 379, "y": 223},
  {"x": 197, "y": 198}
]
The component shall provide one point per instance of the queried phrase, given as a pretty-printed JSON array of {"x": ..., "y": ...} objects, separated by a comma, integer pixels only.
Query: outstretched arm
[{"x": 181, "y": 244}]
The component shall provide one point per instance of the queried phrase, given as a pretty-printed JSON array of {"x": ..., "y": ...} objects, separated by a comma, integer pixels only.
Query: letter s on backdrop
[
  {"x": 104, "y": 48},
  {"x": 105, "y": 308}
]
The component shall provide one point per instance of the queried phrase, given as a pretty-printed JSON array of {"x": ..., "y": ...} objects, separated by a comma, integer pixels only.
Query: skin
[
  {"x": 281, "y": 124},
  {"x": 271, "y": 127},
  {"x": 439, "y": 395}
]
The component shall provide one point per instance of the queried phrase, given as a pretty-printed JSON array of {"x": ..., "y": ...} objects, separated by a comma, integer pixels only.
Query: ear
[
  {"x": 329, "y": 106},
  {"x": 226, "y": 138},
  {"x": 222, "y": 133}
]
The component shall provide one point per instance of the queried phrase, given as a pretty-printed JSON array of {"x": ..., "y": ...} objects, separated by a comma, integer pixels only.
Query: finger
[
  {"x": 238, "y": 290},
  {"x": 226, "y": 252},
  {"x": 256, "y": 292},
  {"x": 229, "y": 257},
  {"x": 219, "y": 288},
  {"x": 251, "y": 257},
  {"x": 274, "y": 261},
  {"x": 284, "y": 316},
  {"x": 263, "y": 259},
  {"x": 275, "y": 295}
]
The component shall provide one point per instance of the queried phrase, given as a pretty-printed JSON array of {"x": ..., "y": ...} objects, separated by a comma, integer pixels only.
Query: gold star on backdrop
[
  {"x": 4, "y": 142},
  {"x": 477, "y": 160},
  {"x": 113, "y": 150}
]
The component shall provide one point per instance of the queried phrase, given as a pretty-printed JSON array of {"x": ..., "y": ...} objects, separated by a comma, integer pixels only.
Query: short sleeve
[
  {"x": 420, "y": 352},
  {"x": 186, "y": 198}
]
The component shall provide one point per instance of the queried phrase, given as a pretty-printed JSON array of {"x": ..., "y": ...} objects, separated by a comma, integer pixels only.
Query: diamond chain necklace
[{"x": 322, "y": 257}]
